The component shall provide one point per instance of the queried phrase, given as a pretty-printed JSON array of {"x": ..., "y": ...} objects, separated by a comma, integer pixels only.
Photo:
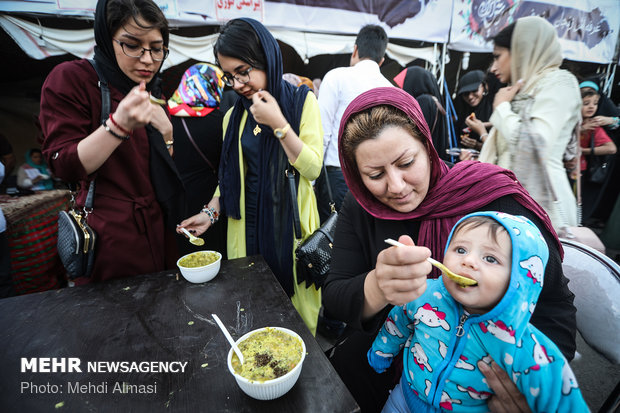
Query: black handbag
[
  {"x": 598, "y": 165},
  {"x": 76, "y": 239},
  {"x": 313, "y": 256}
]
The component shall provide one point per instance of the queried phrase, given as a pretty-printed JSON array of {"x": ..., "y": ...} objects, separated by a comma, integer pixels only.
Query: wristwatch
[{"x": 280, "y": 133}]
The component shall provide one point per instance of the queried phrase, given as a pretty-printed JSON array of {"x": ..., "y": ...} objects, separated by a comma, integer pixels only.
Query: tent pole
[
  {"x": 443, "y": 68},
  {"x": 609, "y": 78},
  {"x": 434, "y": 67}
]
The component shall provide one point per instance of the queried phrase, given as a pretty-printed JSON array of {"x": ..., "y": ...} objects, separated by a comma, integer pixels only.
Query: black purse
[
  {"x": 76, "y": 239},
  {"x": 598, "y": 165},
  {"x": 313, "y": 256}
]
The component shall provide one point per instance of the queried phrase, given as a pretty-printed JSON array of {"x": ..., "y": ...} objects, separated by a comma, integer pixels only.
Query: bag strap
[
  {"x": 290, "y": 175},
  {"x": 90, "y": 196},
  {"x": 332, "y": 204},
  {"x": 105, "y": 112},
  {"x": 105, "y": 91},
  {"x": 189, "y": 135},
  {"x": 591, "y": 157}
]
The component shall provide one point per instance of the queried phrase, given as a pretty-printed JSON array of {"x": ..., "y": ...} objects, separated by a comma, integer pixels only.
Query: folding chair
[{"x": 595, "y": 281}]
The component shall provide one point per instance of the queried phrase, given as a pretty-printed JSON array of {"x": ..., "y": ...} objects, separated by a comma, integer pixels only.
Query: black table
[{"x": 154, "y": 318}]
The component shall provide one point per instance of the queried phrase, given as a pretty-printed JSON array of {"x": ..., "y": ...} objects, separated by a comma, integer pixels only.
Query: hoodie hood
[{"x": 530, "y": 254}]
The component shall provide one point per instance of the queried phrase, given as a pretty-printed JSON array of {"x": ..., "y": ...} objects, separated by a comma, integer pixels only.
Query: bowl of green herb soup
[
  {"x": 200, "y": 266},
  {"x": 273, "y": 357}
]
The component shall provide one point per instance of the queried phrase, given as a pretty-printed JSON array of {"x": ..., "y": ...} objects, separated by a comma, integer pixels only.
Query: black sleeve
[
  {"x": 5, "y": 146},
  {"x": 555, "y": 314},
  {"x": 343, "y": 292},
  {"x": 359, "y": 239}
]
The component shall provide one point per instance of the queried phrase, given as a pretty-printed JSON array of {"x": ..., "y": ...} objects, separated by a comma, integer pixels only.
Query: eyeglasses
[
  {"x": 136, "y": 51},
  {"x": 241, "y": 77}
]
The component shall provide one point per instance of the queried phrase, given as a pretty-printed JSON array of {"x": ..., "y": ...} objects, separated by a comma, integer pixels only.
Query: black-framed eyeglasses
[
  {"x": 241, "y": 77},
  {"x": 136, "y": 51}
]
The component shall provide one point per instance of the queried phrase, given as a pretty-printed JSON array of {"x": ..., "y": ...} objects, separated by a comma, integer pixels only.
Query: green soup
[
  {"x": 199, "y": 259},
  {"x": 267, "y": 355}
]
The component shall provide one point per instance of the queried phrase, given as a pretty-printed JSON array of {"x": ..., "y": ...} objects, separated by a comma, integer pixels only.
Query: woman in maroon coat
[{"x": 129, "y": 155}]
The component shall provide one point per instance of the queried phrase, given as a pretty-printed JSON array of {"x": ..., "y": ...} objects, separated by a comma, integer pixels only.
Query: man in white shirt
[{"x": 338, "y": 88}]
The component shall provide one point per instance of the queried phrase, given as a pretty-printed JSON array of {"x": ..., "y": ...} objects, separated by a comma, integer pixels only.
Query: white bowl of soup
[
  {"x": 273, "y": 357},
  {"x": 200, "y": 266}
]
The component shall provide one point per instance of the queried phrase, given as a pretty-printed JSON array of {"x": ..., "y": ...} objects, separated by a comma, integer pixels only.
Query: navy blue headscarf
[{"x": 275, "y": 220}]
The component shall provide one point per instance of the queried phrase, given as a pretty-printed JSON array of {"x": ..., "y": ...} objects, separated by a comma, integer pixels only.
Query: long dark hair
[
  {"x": 237, "y": 39},
  {"x": 504, "y": 37},
  {"x": 118, "y": 13}
]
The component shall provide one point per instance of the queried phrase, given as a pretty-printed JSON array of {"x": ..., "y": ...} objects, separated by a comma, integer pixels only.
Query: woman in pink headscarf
[{"x": 400, "y": 189}]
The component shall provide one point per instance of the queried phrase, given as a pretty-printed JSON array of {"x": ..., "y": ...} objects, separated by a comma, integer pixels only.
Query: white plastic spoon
[
  {"x": 459, "y": 279},
  {"x": 228, "y": 337},
  {"x": 192, "y": 238},
  {"x": 157, "y": 101}
]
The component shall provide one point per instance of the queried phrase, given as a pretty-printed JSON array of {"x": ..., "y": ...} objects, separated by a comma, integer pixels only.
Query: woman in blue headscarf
[
  {"x": 34, "y": 174},
  {"x": 272, "y": 125}
]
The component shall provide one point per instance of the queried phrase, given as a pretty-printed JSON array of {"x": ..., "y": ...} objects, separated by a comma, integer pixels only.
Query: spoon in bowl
[
  {"x": 193, "y": 239},
  {"x": 459, "y": 279},
  {"x": 228, "y": 337}
]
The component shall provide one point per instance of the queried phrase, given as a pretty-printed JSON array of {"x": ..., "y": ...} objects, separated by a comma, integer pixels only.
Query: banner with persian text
[
  {"x": 400, "y": 19},
  {"x": 587, "y": 29}
]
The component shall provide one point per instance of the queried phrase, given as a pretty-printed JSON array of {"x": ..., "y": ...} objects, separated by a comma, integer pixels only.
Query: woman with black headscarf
[
  {"x": 137, "y": 184},
  {"x": 271, "y": 126},
  {"x": 422, "y": 85}
]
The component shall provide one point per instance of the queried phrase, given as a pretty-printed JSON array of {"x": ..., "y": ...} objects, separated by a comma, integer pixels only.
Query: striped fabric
[{"x": 32, "y": 234}]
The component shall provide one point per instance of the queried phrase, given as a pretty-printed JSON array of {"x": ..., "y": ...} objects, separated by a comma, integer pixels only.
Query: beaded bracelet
[
  {"x": 214, "y": 216},
  {"x": 116, "y": 135}
]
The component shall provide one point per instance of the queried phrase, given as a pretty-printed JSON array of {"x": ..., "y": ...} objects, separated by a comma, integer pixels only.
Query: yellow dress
[{"x": 307, "y": 301}]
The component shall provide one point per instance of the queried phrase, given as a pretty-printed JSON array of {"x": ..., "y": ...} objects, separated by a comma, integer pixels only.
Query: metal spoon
[
  {"x": 459, "y": 279},
  {"x": 228, "y": 337},
  {"x": 193, "y": 239}
]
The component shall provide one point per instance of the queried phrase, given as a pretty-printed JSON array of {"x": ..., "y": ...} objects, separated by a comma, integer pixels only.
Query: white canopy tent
[
  {"x": 588, "y": 29},
  {"x": 40, "y": 42}
]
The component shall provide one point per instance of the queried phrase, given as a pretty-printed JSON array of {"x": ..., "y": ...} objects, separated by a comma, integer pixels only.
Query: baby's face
[{"x": 474, "y": 254}]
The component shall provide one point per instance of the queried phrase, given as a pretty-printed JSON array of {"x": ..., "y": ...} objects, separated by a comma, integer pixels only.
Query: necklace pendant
[{"x": 257, "y": 130}]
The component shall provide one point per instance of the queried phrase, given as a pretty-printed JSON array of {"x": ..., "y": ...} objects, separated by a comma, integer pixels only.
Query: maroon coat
[{"x": 127, "y": 218}]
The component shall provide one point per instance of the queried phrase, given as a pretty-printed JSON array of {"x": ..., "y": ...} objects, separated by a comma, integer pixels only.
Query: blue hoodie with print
[{"x": 442, "y": 343}]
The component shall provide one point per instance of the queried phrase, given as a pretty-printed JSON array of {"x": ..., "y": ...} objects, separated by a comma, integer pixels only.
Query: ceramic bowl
[
  {"x": 200, "y": 274},
  {"x": 269, "y": 389}
]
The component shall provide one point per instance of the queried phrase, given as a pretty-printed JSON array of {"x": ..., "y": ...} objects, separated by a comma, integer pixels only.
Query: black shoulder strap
[
  {"x": 290, "y": 176},
  {"x": 105, "y": 91},
  {"x": 191, "y": 139},
  {"x": 105, "y": 112},
  {"x": 332, "y": 204}
]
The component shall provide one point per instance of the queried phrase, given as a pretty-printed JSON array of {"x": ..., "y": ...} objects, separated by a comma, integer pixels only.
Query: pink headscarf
[{"x": 452, "y": 193}]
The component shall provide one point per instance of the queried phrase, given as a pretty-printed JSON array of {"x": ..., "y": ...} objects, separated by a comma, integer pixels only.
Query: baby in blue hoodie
[{"x": 447, "y": 330}]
